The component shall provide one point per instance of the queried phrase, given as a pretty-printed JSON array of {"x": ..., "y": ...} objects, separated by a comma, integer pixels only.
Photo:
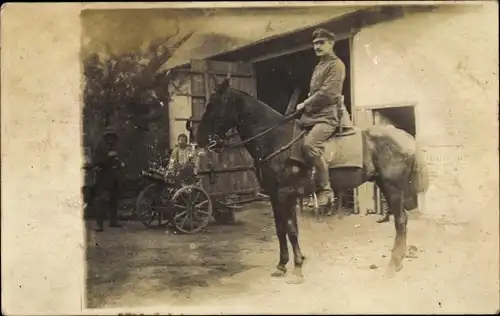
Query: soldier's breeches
[
  {"x": 315, "y": 139},
  {"x": 313, "y": 149}
]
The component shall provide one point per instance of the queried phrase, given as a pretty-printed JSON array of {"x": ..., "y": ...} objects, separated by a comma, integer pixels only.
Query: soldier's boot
[{"x": 325, "y": 193}]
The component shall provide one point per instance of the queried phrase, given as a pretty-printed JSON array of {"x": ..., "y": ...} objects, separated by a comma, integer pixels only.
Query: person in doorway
[
  {"x": 107, "y": 166},
  {"x": 320, "y": 115}
]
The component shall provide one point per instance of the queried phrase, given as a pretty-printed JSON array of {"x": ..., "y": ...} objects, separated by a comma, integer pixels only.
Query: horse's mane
[{"x": 249, "y": 96}]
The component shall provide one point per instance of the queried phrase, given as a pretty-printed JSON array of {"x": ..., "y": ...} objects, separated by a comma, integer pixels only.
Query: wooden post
[{"x": 340, "y": 199}]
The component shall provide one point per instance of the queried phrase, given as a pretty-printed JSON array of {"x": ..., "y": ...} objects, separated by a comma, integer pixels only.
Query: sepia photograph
[{"x": 303, "y": 159}]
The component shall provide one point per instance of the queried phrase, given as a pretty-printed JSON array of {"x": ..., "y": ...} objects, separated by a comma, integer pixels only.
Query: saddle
[
  {"x": 342, "y": 131},
  {"x": 345, "y": 127},
  {"x": 343, "y": 149}
]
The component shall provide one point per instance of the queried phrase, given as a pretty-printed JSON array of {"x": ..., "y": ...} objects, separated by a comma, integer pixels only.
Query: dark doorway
[
  {"x": 277, "y": 78},
  {"x": 402, "y": 117}
]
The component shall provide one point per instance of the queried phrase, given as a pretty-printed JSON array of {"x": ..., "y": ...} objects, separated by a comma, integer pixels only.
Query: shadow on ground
[{"x": 137, "y": 260}]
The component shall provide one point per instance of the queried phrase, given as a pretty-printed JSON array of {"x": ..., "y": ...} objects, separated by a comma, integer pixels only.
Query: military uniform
[
  {"x": 108, "y": 167},
  {"x": 321, "y": 108},
  {"x": 324, "y": 93}
]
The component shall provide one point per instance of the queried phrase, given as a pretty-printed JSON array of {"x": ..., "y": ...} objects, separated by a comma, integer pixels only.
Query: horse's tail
[
  {"x": 419, "y": 177},
  {"x": 418, "y": 181}
]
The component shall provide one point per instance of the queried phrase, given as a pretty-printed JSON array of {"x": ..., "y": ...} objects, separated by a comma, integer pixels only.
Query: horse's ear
[{"x": 214, "y": 78}]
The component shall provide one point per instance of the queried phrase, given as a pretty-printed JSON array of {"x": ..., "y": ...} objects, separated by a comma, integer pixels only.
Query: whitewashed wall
[
  {"x": 179, "y": 106},
  {"x": 446, "y": 62}
]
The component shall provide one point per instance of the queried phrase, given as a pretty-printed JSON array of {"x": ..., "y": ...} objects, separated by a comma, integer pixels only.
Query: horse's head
[{"x": 218, "y": 118}]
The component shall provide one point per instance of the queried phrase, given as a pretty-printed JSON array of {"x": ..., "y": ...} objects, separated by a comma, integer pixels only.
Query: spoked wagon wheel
[
  {"x": 150, "y": 206},
  {"x": 192, "y": 209}
]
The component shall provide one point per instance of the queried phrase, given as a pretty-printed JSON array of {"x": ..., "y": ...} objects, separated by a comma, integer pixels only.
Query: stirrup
[{"x": 315, "y": 199}]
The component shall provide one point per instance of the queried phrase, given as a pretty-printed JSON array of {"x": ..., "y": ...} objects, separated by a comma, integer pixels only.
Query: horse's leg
[
  {"x": 279, "y": 222},
  {"x": 395, "y": 199},
  {"x": 385, "y": 216},
  {"x": 292, "y": 228}
]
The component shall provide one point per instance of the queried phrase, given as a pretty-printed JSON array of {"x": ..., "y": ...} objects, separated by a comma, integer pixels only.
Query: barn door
[
  {"x": 230, "y": 173},
  {"x": 365, "y": 193}
]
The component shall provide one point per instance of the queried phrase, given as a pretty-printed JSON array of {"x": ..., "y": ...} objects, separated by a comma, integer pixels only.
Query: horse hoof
[
  {"x": 383, "y": 220},
  {"x": 296, "y": 279},
  {"x": 390, "y": 273},
  {"x": 297, "y": 276},
  {"x": 278, "y": 274},
  {"x": 392, "y": 270}
]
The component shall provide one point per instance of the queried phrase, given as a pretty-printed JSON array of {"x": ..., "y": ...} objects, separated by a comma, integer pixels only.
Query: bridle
[{"x": 217, "y": 140}]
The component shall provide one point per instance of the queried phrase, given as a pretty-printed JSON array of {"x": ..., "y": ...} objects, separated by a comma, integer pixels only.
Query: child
[{"x": 183, "y": 157}]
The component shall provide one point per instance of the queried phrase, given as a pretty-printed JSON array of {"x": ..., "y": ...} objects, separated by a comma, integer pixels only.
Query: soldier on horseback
[{"x": 321, "y": 109}]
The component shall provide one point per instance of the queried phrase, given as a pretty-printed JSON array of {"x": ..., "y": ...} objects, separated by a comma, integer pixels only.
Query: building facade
[{"x": 429, "y": 70}]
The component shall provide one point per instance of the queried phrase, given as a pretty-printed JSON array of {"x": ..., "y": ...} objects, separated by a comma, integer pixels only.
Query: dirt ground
[{"x": 452, "y": 267}]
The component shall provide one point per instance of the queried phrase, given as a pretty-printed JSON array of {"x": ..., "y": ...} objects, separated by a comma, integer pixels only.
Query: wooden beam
[
  {"x": 212, "y": 72},
  {"x": 182, "y": 94},
  {"x": 356, "y": 207},
  {"x": 244, "y": 201},
  {"x": 386, "y": 106},
  {"x": 247, "y": 191},
  {"x": 184, "y": 119},
  {"x": 280, "y": 53},
  {"x": 227, "y": 170}
]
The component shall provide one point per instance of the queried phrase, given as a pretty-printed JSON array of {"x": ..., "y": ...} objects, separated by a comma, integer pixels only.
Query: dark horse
[{"x": 390, "y": 159}]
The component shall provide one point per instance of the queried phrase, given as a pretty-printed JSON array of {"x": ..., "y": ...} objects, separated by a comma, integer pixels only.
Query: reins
[
  {"x": 283, "y": 148},
  {"x": 286, "y": 119}
]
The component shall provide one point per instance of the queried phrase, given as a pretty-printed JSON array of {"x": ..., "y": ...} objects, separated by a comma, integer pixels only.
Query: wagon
[
  {"x": 181, "y": 201},
  {"x": 176, "y": 200}
]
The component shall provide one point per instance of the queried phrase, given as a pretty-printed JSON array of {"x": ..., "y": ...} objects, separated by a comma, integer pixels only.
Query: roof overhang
[
  {"x": 228, "y": 32},
  {"x": 344, "y": 26}
]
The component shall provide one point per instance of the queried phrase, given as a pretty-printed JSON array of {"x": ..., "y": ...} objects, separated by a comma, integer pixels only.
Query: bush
[{"x": 125, "y": 91}]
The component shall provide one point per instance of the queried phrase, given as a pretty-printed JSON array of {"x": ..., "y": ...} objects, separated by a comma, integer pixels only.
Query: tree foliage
[{"x": 126, "y": 92}]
